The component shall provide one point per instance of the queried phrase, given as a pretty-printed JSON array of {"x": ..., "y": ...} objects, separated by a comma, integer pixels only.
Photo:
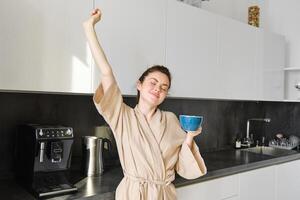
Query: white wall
[
  {"x": 236, "y": 9},
  {"x": 283, "y": 18},
  {"x": 224, "y": 7}
]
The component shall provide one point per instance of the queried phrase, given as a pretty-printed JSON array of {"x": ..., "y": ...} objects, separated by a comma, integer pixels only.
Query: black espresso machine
[{"x": 42, "y": 158}]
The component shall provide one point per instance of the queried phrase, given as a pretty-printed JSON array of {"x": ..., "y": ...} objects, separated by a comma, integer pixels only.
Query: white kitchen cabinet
[
  {"x": 238, "y": 59},
  {"x": 217, "y": 189},
  {"x": 253, "y": 61},
  {"x": 279, "y": 182},
  {"x": 43, "y": 47},
  {"x": 217, "y": 57},
  {"x": 210, "y": 56},
  {"x": 258, "y": 184},
  {"x": 133, "y": 35},
  {"x": 192, "y": 51},
  {"x": 292, "y": 84},
  {"x": 271, "y": 59},
  {"x": 288, "y": 180}
]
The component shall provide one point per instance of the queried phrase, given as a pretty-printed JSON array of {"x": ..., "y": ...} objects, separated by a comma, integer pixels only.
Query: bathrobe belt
[{"x": 142, "y": 180}]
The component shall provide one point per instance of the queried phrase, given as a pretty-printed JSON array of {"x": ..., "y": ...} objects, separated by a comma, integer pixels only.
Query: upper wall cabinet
[
  {"x": 216, "y": 57},
  {"x": 210, "y": 56},
  {"x": 237, "y": 59},
  {"x": 132, "y": 34},
  {"x": 271, "y": 59},
  {"x": 192, "y": 51},
  {"x": 292, "y": 86},
  {"x": 43, "y": 46}
]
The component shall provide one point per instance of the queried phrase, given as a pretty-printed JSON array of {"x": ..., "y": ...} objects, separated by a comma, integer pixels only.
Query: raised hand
[
  {"x": 94, "y": 17},
  {"x": 195, "y": 133}
]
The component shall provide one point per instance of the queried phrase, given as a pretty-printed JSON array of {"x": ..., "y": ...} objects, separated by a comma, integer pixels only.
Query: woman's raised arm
[{"x": 107, "y": 77}]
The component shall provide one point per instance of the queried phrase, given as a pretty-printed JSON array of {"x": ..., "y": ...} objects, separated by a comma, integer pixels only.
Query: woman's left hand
[
  {"x": 190, "y": 136},
  {"x": 195, "y": 133}
]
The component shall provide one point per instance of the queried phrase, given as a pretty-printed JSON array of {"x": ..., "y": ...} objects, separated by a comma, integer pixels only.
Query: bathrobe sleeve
[
  {"x": 190, "y": 163},
  {"x": 110, "y": 105}
]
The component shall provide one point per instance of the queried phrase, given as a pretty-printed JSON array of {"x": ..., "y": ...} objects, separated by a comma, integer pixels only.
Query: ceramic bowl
[{"x": 190, "y": 122}]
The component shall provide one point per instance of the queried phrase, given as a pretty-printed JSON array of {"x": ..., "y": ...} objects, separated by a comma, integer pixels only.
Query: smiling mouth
[{"x": 156, "y": 96}]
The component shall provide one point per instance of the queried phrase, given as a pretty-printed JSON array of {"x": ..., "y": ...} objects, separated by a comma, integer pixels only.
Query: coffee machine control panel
[{"x": 57, "y": 133}]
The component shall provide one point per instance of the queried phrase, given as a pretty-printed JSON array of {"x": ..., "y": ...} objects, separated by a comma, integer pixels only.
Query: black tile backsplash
[
  {"x": 224, "y": 120},
  {"x": 285, "y": 118}
]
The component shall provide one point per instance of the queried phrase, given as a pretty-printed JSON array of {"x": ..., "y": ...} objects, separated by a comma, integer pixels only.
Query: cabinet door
[
  {"x": 217, "y": 189},
  {"x": 238, "y": 59},
  {"x": 258, "y": 184},
  {"x": 192, "y": 51},
  {"x": 288, "y": 180},
  {"x": 271, "y": 64},
  {"x": 132, "y": 34},
  {"x": 43, "y": 46},
  {"x": 292, "y": 84}
]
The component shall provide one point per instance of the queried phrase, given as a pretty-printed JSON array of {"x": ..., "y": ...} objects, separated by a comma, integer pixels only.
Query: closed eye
[
  {"x": 165, "y": 89},
  {"x": 153, "y": 83}
]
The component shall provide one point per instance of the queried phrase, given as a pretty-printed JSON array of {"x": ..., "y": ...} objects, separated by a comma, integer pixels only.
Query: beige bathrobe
[{"x": 150, "y": 152}]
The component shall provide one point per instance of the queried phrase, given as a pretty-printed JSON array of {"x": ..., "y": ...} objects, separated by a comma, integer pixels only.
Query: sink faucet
[{"x": 248, "y": 140}]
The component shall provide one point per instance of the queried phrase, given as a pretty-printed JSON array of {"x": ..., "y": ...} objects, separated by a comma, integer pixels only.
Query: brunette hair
[{"x": 154, "y": 68}]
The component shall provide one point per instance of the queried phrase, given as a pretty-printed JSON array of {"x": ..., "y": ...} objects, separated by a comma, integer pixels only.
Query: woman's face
[{"x": 154, "y": 88}]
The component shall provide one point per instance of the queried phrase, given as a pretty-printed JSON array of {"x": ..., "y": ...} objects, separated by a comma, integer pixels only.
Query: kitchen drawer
[{"x": 217, "y": 189}]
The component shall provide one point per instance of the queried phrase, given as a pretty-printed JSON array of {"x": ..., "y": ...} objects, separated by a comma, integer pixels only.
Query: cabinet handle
[{"x": 297, "y": 86}]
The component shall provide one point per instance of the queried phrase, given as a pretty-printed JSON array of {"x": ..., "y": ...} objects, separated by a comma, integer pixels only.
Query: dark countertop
[
  {"x": 219, "y": 164},
  {"x": 229, "y": 162}
]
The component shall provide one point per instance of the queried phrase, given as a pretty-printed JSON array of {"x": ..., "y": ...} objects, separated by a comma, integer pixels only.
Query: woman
[{"x": 151, "y": 143}]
